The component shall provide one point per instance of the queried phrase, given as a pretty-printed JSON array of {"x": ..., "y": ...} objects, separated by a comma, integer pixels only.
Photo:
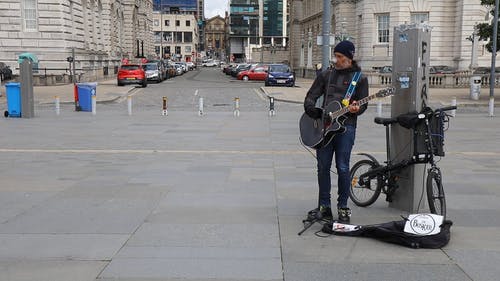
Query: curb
[{"x": 102, "y": 101}]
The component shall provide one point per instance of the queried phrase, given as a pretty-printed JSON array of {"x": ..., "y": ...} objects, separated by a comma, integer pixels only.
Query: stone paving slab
[{"x": 87, "y": 178}]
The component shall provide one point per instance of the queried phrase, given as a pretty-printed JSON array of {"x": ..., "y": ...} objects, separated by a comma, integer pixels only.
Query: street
[
  {"x": 217, "y": 197},
  {"x": 217, "y": 90}
]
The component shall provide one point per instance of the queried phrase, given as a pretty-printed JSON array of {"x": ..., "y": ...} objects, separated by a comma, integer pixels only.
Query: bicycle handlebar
[{"x": 446, "y": 108}]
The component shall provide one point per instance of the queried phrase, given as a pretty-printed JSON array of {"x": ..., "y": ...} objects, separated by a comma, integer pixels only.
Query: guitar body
[
  {"x": 311, "y": 131},
  {"x": 337, "y": 124},
  {"x": 315, "y": 133}
]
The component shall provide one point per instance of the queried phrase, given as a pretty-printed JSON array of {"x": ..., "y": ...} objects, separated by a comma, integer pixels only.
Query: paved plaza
[{"x": 215, "y": 197}]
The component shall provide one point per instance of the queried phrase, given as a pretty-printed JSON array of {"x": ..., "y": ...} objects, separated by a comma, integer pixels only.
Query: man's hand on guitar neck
[{"x": 354, "y": 107}]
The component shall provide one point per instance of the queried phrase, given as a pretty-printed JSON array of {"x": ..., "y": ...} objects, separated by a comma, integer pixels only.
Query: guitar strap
[{"x": 352, "y": 87}]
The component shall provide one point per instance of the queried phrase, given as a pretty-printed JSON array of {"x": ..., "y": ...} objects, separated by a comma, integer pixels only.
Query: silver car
[{"x": 153, "y": 72}]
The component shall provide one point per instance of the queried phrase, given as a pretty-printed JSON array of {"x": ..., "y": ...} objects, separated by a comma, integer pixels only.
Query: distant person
[{"x": 333, "y": 85}]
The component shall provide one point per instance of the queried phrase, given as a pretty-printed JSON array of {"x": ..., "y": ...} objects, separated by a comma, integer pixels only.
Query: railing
[
  {"x": 52, "y": 76},
  {"x": 457, "y": 80}
]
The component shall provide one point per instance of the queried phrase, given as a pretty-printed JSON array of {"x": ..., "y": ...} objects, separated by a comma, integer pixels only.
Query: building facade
[
  {"x": 185, "y": 7},
  {"x": 101, "y": 33},
  {"x": 255, "y": 26},
  {"x": 176, "y": 36},
  {"x": 215, "y": 38},
  {"x": 370, "y": 25}
]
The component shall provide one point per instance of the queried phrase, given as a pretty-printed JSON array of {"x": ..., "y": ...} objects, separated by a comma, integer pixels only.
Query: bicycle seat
[{"x": 385, "y": 121}]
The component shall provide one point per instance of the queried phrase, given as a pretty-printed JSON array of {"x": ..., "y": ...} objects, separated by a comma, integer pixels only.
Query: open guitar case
[{"x": 393, "y": 232}]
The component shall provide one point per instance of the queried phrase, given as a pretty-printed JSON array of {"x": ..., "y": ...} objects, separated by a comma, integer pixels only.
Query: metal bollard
[
  {"x": 236, "y": 111},
  {"x": 379, "y": 108},
  {"x": 129, "y": 105},
  {"x": 164, "y": 107},
  {"x": 94, "y": 105},
  {"x": 58, "y": 105},
  {"x": 491, "y": 107},
  {"x": 200, "y": 106},
  {"x": 272, "y": 112},
  {"x": 453, "y": 103}
]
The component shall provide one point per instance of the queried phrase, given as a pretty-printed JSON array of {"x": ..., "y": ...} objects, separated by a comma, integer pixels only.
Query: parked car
[
  {"x": 256, "y": 73},
  {"x": 131, "y": 74},
  {"x": 485, "y": 70},
  {"x": 190, "y": 65},
  {"x": 210, "y": 63},
  {"x": 239, "y": 68},
  {"x": 163, "y": 67},
  {"x": 153, "y": 71},
  {"x": 280, "y": 74},
  {"x": 442, "y": 69},
  {"x": 171, "y": 70},
  {"x": 5, "y": 72},
  {"x": 385, "y": 69}
]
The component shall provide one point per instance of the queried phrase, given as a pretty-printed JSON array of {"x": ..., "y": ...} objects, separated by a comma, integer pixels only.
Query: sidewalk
[
  {"x": 106, "y": 91},
  {"x": 436, "y": 95},
  {"x": 184, "y": 197}
]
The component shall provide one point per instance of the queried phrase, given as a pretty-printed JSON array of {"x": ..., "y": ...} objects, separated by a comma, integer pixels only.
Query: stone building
[
  {"x": 101, "y": 33},
  {"x": 176, "y": 36},
  {"x": 370, "y": 25},
  {"x": 215, "y": 38}
]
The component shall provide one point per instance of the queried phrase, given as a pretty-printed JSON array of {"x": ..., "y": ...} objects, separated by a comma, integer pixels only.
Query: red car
[
  {"x": 131, "y": 74},
  {"x": 257, "y": 73}
]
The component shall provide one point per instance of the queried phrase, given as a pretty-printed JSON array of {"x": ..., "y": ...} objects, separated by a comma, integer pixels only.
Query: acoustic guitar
[{"x": 316, "y": 133}]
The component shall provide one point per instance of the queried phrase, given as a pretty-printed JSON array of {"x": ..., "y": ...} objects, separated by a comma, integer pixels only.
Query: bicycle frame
[{"x": 387, "y": 180}]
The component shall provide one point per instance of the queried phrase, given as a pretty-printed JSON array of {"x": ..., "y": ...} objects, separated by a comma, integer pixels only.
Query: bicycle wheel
[
  {"x": 435, "y": 192},
  {"x": 364, "y": 193}
]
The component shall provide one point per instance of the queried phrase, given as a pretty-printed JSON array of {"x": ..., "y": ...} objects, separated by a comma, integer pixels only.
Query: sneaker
[
  {"x": 344, "y": 215},
  {"x": 326, "y": 212},
  {"x": 321, "y": 213}
]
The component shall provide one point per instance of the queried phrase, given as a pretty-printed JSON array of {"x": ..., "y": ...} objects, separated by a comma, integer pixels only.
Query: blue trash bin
[
  {"x": 13, "y": 93},
  {"x": 85, "y": 93}
]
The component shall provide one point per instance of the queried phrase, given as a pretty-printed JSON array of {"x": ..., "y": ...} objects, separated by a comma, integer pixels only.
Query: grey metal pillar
[
  {"x": 410, "y": 77},
  {"x": 26, "y": 80}
]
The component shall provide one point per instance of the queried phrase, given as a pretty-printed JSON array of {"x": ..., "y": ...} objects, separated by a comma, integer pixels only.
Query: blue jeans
[{"x": 341, "y": 147}]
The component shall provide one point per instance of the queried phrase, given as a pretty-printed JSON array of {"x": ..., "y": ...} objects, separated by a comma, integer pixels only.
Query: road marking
[
  {"x": 151, "y": 151},
  {"x": 132, "y": 92}
]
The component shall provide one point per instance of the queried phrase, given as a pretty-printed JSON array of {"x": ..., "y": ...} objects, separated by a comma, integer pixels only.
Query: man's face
[{"x": 342, "y": 62}]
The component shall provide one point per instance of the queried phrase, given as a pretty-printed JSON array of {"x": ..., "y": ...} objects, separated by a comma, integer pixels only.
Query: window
[
  {"x": 178, "y": 37},
  {"x": 177, "y": 23},
  {"x": 383, "y": 28},
  {"x": 419, "y": 17},
  {"x": 188, "y": 23},
  {"x": 156, "y": 22},
  {"x": 187, "y": 49},
  {"x": 167, "y": 22},
  {"x": 188, "y": 37},
  {"x": 29, "y": 15},
  {"x": 177, "y": 49}
]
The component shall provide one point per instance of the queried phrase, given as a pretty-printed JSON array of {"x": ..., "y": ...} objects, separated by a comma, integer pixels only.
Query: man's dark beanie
[{"x": 346, "y": 48}]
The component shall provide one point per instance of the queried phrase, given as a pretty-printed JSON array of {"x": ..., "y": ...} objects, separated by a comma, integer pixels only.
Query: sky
[{"x": 215, "y": 7}]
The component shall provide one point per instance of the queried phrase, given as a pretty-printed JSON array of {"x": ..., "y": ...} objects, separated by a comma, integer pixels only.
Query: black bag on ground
[{"x": 393, "y": 232}]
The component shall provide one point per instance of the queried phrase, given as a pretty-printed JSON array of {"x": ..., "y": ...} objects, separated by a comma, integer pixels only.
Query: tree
[{"x": 485, "y": 30}]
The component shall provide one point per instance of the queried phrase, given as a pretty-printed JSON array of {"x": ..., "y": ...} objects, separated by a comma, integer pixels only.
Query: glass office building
[
  {"x": 273, "y": 22},
  {"x": 176, "y": 6}
]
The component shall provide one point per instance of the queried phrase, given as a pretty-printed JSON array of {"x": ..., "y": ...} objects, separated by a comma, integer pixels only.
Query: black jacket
[{"x": 339, "y": 82}]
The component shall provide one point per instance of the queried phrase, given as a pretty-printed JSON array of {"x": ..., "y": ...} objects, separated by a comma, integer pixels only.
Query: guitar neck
[{"x": 344, "y": 110}]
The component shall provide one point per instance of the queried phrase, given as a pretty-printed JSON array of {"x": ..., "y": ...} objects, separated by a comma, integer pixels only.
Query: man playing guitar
[{"x": 333, "y": 86}]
